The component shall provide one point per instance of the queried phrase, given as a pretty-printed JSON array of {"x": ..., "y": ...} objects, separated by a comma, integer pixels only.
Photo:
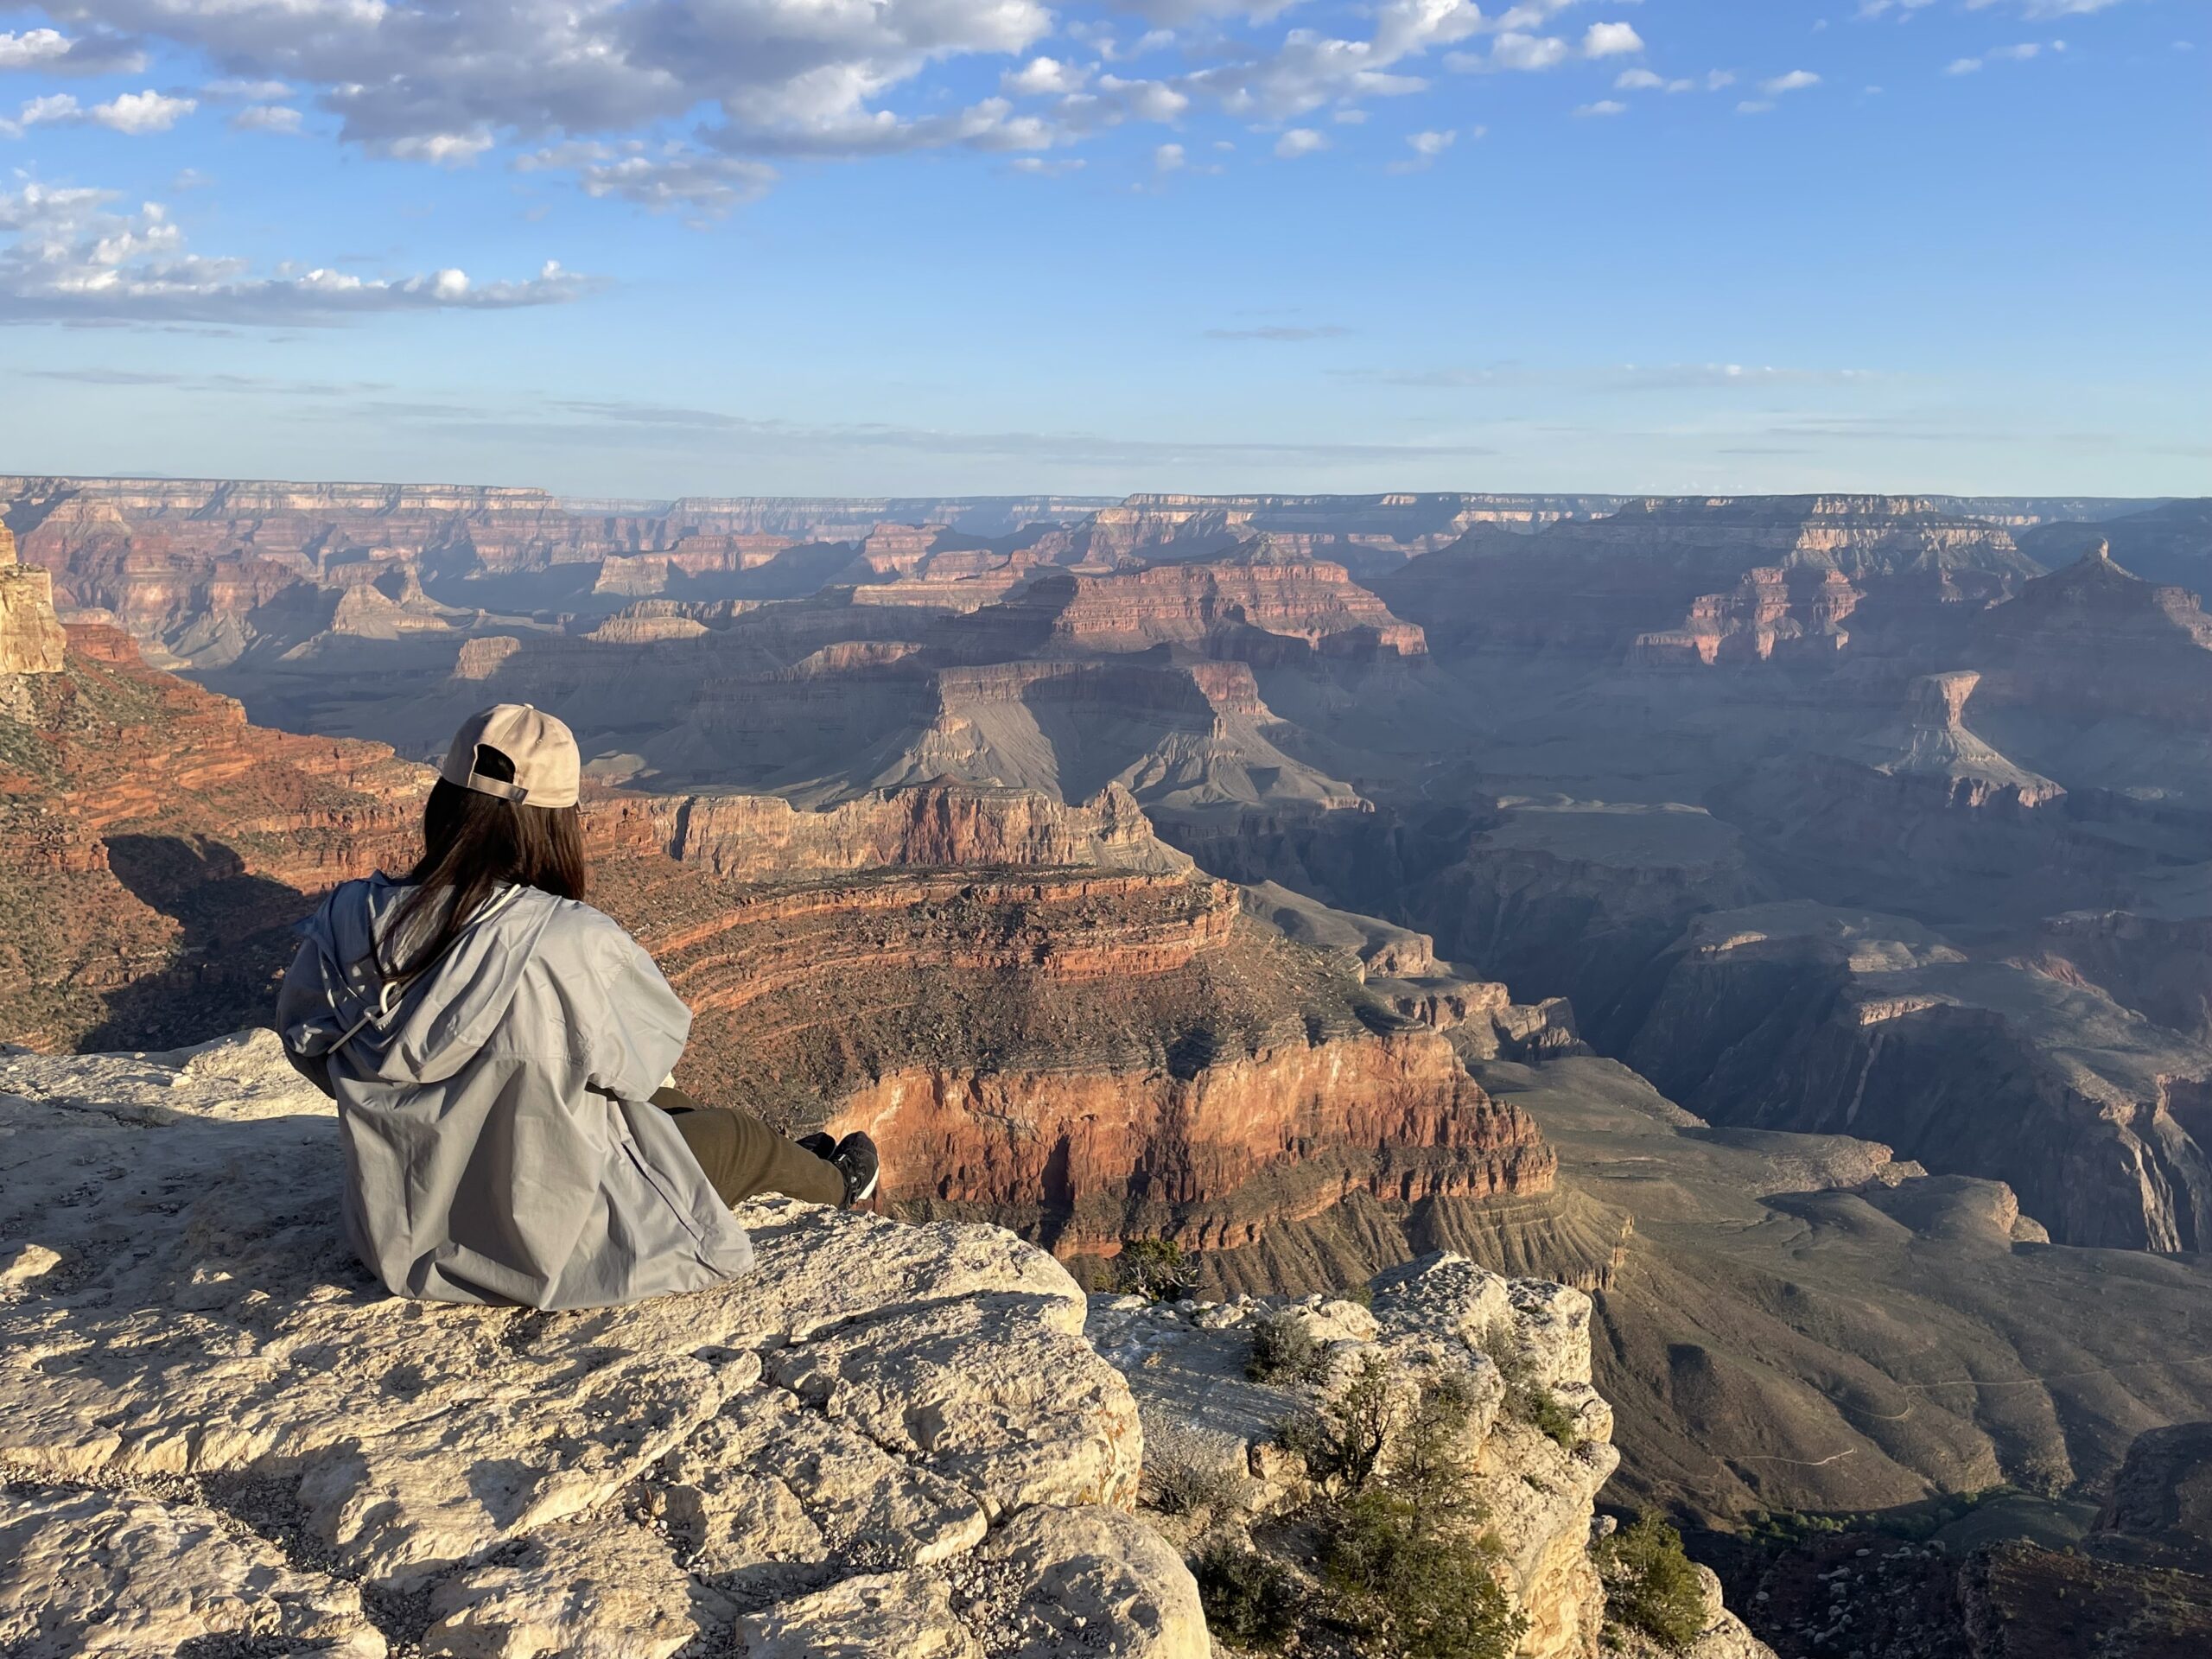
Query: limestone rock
[
  {"x": 1438, "y": 1314},
  {"x": 31, "y": 640},
  {"x": 214, "y": 1424},
  {"x": 105, "y": 1574}
]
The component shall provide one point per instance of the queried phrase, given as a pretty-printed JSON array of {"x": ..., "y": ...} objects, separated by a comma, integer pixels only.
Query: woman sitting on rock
[{"x": 500, "y": 1054}]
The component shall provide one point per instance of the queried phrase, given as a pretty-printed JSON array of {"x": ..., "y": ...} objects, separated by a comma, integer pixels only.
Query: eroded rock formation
[
  {"x": 1799, "y": 1017},
  {"x": 31, "y": 640},
  {"x": 1209, "y": 1425}
]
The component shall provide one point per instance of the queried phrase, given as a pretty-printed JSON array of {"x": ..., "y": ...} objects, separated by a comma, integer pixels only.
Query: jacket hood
[{"x": 435, "y": 1026}]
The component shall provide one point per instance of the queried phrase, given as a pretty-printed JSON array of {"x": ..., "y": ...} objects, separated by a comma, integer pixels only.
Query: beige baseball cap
[{"x": 547, "y": 766}]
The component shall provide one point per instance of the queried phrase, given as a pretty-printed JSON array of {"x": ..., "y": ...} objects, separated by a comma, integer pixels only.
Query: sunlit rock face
[
  {"x": 216, "y": 1426},
  {"x": 31, "y": 640}
]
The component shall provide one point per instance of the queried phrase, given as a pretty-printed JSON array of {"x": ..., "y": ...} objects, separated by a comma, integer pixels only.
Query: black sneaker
[
  {"x": 856, "y": 1160},
  {"x": 819, "y": 1144}
]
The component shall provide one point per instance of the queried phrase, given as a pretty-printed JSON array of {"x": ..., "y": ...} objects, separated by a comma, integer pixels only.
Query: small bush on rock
[
  {"x": 1413, "y": 1589},
  {"x": 1651, "y": 1584},
  {"x": 1254, "y": 1601},
  {"x": 1175, "y": 1487},
  {"x": 1283, "y": 1351},
  {"x": 1343, "y": 1442},
  {"x": 1155, "y": 1269},
  {"x": 1540, "y": 1408}
]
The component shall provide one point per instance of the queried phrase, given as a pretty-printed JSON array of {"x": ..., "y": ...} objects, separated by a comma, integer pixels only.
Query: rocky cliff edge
[{"x": 218, "y": 1436}]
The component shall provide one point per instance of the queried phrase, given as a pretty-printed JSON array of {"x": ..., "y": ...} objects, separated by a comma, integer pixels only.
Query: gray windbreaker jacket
[{"x": 499, "y": 1142}]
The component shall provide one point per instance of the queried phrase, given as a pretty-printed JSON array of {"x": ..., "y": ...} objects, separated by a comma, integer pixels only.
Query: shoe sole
[{"x": 868, "y": 1192}]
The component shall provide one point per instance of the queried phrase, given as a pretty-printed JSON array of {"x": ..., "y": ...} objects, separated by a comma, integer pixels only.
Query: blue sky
[{"x": 817, "y": 246}]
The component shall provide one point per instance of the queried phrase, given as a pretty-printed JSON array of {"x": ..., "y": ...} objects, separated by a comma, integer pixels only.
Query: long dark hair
[{"x": 472, "y": 843}]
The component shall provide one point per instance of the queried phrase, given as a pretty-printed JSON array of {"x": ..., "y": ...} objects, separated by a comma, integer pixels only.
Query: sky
[{"x": 643, "y": 248}]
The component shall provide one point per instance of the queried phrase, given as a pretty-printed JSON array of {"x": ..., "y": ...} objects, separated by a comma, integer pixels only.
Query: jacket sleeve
[
  {"x": 636, "y": 1033},
  {"x": 301, "y": 997}
]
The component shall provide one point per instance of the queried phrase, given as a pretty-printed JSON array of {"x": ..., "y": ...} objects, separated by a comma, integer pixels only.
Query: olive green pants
[{"x": 742, "y": 1156}]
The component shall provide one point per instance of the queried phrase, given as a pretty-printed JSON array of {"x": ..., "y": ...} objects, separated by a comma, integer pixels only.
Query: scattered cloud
[
  {"x": 1603, "y": 106},
  {"x": 1168, "y": 158},
  {"x": 1529, "y": 53},
  {"x": 1427, "y": 147},
  {"x": 259, "y": 385},
  {"x": 659, "y": 178},
  {"x": 1611, "y": 40},
  {"x": 1962, "y": 66},
  {"x": 1617, "y": 378},
  {"x": 1795, "y": 81},
  {"x": 600, "y": 423},
  {"x": 69, "y": 256},
  {"x": 1282, "y": 333},
  {"x": 128, "y": 112},
  {"x": 1299, "y": 140},
  {"x": 2045, "y": 8},
  {"x": 266, "y": 118},
  {"x": 1042, "y": 76}
]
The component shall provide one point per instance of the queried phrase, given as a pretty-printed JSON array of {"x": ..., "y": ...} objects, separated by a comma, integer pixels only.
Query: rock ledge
[{"x": 218, "y": 1436}]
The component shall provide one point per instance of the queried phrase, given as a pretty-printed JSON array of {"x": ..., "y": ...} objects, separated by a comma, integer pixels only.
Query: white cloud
[
  {"x": 1643, "y": 80},
  {"x": 1427, "y": 147},
  {"x": 1350, "y": 118},
  {"x": 1717, "y": 79},
  {"x": 1754, "y": 106},
  {"x": 1042, "y": 167},
  {"x": 266, "y": 118},
  {"x": 146, "y": 111},
  {"x": 1611, "y": 40},
  {"x": 2019, "y": 54},
  {"x": 1962, "y": 65},
  {"x": 2046, "y": 8},
  {"x": 1299, "y": 141},
  {"x": 1041, "y": 76},
  {"x": 68, "y": 255},
  {"x": 1527, "y": 52},
  {"x": 440, "y": 148},
  {"x": 34, "y": 48},
  {"x": 1168, "y": 158},
  {"x": 1795, "y": 81},
  {"x": 1603, "y": 106},
  {"x": 131, "y": 112}
]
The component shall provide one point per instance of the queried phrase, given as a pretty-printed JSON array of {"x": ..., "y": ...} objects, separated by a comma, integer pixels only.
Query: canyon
[{"x": 1784, "y": 919}]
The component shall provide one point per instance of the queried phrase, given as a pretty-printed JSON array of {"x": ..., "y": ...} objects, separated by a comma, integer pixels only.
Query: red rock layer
[
  {"x": 158, "y": 848},
  {"x": 1261, "y": 588}
]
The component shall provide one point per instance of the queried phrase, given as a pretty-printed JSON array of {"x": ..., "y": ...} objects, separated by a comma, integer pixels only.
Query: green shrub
[
  {"x": 1155, "y": 1269},
  {"x": 1252, "y": 1600},
  {"x": 1650, "y": 1583},
  {"x": 1342, "y": 1442},
  {"x": 1411, "y": 1589},
  {"x": 1175, "y": 1487},
  {"x": 1540, "y": 1408},
  {"x": 1432, "y": 1464},
  {"x": 1283, "y": 1351}
]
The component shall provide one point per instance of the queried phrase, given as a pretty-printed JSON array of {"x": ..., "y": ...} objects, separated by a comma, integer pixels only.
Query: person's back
[{"x": 496, "y": 1047}]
